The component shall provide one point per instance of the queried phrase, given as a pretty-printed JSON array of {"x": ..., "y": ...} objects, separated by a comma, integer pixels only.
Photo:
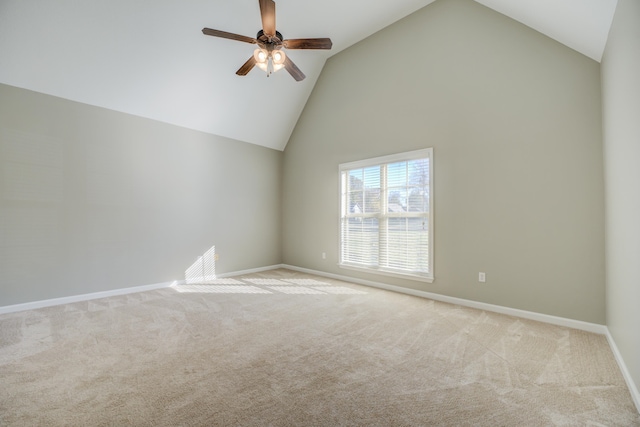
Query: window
[{"x": 386, "y": 215}]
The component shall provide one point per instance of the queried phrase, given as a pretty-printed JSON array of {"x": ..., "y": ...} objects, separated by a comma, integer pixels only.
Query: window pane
[
  {"x": 418, "y": 199},
  {"x": 355, "y": 201},
  {"x": 408, "y": 243},
  {"x": 372, "y": 189},
  {"x": 372, "y": 177},
  {"x": 419, "y": 172},
  {"x": 364, "y": 190},
  {"x": 360, "y": 240},
  {"x": 372, "y": 200},
  {"x": 397, "y": 201},
  {"x": 397, "y": 175},
  {"x": 355, "y": 180}
]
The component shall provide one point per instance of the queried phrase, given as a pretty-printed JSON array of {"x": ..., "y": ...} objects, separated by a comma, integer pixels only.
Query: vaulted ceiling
[{"x": 150, "y": 59}]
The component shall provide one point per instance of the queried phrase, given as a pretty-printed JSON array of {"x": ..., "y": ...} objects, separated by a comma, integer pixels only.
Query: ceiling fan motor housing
[{"x": 274, "y": 41}]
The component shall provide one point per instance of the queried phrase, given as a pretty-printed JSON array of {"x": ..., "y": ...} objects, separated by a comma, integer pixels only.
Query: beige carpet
[{"x": 282, "y": 348}]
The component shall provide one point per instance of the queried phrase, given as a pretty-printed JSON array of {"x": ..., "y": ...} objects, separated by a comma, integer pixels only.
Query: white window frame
[{"x": 383, "y": 214}]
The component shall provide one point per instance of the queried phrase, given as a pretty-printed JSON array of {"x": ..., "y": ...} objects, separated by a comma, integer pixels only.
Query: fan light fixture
[
  {"x": 269, "y": 56},
  {"x": 269, "y": 62}
]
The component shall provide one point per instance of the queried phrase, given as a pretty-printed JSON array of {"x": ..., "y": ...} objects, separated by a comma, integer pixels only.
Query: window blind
[{"x": 386, "y": 214}]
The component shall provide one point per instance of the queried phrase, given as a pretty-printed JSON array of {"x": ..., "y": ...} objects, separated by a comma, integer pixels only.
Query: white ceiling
[{"x": 150, "y": 59}]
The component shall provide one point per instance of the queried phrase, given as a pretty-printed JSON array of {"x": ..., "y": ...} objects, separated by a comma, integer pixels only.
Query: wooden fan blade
[
  {"x": 293, "y": 69},
  {"x": 246, "y": 67},
  {"x": 225, "y": 35},
  {"x": 268, "y": 14},
  {"x": 324, "y": 43}
]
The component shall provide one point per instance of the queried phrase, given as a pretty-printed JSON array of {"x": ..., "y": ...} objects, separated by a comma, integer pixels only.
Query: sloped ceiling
[
  {"x": 150, "y": 59},
  {"x": 582, "y": 25}
]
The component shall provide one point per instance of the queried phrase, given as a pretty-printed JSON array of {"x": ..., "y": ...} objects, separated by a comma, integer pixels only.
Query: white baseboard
[
  {"x": 554, "y": 320},
  {"x": 84, "y": 297},
  {"x": 122, "y": 291},
  {"x": 633, "y": 389},
  {"x": 576, "y": 324}
]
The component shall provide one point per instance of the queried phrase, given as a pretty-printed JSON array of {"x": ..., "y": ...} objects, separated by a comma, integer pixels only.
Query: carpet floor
[{"x": 282, "y": 348}]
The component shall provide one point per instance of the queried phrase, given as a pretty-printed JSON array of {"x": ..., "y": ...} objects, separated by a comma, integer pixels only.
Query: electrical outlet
[
  {"x": 482, "y": 277},
  {"x": 324, "y": 255}
]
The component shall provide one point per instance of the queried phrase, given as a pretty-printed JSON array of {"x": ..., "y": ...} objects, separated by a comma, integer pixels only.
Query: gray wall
[
  {"x": 515, "y": 121},
  {"x": 94, "y": 200},
  {"x": 621, "y": 112}
]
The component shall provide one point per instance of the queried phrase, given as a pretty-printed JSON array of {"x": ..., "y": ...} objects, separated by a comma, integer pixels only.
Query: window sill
[{"x": 406, "y": 276}]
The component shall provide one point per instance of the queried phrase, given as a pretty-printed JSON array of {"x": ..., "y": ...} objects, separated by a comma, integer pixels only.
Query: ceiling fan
[{"x": 269, "y": 55}]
